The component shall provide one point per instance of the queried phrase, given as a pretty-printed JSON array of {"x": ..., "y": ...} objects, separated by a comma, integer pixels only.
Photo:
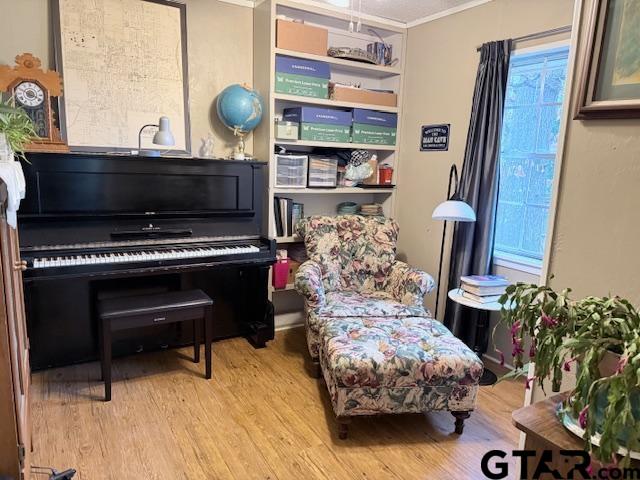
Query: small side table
[{"x": 488, "y": 377}]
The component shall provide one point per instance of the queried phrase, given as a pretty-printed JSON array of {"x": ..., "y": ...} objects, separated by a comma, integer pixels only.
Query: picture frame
[
  {"x": 609, "y": 69},
  {"x": 104, "y": 92}
]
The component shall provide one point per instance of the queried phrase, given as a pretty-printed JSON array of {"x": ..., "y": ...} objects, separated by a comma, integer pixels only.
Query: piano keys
[{"x": 97, "y": 225}]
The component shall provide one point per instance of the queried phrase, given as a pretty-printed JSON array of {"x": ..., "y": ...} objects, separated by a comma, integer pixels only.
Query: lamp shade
[
  {"x": 164, "y": 136},
  {"x": 454, "y": 211}
]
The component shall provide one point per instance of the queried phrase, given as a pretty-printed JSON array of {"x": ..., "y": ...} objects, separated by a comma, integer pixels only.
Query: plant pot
[
  {"x": 607, "y": 368},
  {"x": 6, "y": 154}
]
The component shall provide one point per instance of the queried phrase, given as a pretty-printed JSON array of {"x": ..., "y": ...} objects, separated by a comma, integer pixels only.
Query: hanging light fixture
[{"x": 351, "y": 17}]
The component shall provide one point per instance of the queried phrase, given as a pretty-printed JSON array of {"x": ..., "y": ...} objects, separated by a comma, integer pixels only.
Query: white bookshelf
[{"x": 320, "y": 201}]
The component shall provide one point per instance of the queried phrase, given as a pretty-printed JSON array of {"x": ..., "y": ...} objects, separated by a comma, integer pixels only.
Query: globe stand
[{"x": 239, "y": 153}]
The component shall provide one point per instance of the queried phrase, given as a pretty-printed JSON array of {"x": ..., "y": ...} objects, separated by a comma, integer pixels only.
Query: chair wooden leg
[
  {"x": 343, "y": 427},
  {"x": 196, "y": 340},
  {"x": 314, "y": 368},
  {"x": 106, "y": 359},
  {"x": 208, "y": 334},
  {"x": 460, "y": 418}
]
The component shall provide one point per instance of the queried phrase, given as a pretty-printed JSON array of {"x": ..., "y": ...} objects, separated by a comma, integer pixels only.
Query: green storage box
[
  {"x": 302, "y": 85},
  {"x": 374, "y": 134},
  {"x": 305, "y": 78},
  {"x": 322, "y": 132}
]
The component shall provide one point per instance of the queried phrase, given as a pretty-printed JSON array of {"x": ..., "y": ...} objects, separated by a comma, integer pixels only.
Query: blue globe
[{"x": 240, "y": 108}]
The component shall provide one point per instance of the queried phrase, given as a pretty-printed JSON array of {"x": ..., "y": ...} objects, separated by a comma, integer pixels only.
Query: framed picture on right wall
[{"x": 609, "y": 82}]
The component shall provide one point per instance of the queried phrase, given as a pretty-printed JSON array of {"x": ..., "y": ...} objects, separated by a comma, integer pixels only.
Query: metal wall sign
[{"x": 435, "y": 138}]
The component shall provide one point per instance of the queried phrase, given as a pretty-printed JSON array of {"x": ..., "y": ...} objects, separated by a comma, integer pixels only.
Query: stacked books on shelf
[
  {"x": 287, "y": 214},
  {"x": 483, "y": 288}
]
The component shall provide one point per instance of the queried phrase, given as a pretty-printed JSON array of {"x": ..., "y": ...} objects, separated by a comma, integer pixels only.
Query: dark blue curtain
[{"x": 473, "y": 242}]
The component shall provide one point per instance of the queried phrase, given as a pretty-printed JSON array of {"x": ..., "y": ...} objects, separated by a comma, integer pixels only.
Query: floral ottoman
[{"x": 397, "y": 365}]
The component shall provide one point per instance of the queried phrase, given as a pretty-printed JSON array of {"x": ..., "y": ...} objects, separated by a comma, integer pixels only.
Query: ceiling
[{"x": 405, "y": 11}]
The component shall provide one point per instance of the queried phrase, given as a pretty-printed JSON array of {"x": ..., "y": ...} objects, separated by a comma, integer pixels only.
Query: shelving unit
[
  {"x": 330, "y": 103},
  {"x": 320, "y": 201}
]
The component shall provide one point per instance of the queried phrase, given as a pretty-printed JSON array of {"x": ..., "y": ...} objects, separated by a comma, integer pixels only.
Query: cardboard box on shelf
[
  {"x": 300, "y": 37},
  {"x": 321, "y": 124},
  {"x": 293, "y": 269},
  {"x": 375, "y": 128},
  {"x": 306, "y": 78},
  {"x": 344, "y": 93}
]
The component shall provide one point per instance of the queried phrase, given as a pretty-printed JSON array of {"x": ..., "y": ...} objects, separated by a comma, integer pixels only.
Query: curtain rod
[{"x": 534, "y": 36}]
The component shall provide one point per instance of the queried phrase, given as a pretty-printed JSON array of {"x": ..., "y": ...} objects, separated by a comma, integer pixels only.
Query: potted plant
[
  {"x": 601, "y": 336},
  {"x": 16, "y": 127}
]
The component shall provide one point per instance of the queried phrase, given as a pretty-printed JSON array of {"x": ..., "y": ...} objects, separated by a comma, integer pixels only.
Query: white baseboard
[{"x": 285, "y": 321}]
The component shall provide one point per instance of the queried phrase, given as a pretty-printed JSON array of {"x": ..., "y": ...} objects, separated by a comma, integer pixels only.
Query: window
[{"x": 530, "y": 130}]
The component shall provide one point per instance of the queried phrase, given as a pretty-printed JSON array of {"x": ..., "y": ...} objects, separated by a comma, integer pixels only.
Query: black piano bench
[{"x": 124, "y": 313}]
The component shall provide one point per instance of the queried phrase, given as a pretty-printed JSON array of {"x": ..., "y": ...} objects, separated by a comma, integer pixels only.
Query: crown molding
[
  {"x": 374, "y": 18},
  {"x": 241, "y": 3},
  {"x": 446, "y": 13}
]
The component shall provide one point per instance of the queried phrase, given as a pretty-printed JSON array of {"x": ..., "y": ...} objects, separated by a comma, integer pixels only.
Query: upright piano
[{"x": 98, "y": 226}]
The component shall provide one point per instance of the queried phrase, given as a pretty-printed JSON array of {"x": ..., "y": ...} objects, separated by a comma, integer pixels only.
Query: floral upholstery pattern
[
  {"x": 396, "y": 365},
  {"x": 349, "y": 304},
  {"x": 352, "y": 272}
]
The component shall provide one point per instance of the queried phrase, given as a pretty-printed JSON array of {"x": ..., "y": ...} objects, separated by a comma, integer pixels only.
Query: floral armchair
[{"x": 352, "y": 272}]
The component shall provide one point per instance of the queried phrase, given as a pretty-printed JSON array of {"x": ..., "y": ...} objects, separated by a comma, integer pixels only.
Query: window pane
[
  {"x": 554, "y": 84},
  {"x": 530, "y": 130},
  {"x": 549, "y": 129},
  {"x": 535, "y": 229},
  {"x": 516, "y": 130},
  {"x": 524, "y": 87},
  {"x": 540, "y": 181},
  {"x": 509, "y": 226}
]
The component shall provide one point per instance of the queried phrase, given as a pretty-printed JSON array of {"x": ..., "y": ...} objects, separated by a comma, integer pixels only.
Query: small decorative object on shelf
[
  {"x": 371, "y": 210},
  {"x": 385, "y": 174},
  {"x": 286, "y": 130},
  {"x": 355, "y": 54},
  {"x": 599, "y": 339},
  {"x": 358, "y": 168},
  {"x": 33, "y": 90},
  {"x": 347, "y": 208},
  {"x": 240, "y": 108},
  {"x": 207, "y": 148}
]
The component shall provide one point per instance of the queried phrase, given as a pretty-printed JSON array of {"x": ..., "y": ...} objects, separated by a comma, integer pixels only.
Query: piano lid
[{"x": 65, "y": 186}]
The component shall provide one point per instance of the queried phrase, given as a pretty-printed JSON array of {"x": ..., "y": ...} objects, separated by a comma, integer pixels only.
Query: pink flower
[
  {"x": 501, "y": 357},
  {"x": 549, "y": 321},
  {"x": 527, "y": 382},
  {"x": 567, "y": 364},
  {"x": 582, "y": 418},
  {"x": 514, "y": 328},
  {"x": 517, "y": 347},
  {"x": 590, "y": 469},
  {"x": 621, "y": 364}
]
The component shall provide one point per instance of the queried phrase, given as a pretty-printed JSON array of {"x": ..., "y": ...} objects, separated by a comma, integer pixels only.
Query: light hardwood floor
[{"x": 260, "y": 416}]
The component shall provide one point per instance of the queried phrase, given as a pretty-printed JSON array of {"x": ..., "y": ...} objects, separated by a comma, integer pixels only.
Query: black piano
[{"x": 98, "y": 226}]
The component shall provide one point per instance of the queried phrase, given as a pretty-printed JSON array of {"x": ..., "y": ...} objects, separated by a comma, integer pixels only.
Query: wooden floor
[{"x": 260, "y": 416}]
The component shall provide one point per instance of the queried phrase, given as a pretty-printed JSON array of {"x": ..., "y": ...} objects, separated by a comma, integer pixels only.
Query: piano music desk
[{"x": 124, "y": 313}]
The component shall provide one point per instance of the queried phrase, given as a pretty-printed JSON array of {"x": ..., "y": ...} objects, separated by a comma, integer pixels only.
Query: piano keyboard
[{"x": 142, "y": 256}]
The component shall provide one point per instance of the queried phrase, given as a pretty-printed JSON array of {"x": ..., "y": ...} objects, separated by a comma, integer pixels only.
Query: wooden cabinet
[{"x": 15, "y": 430}]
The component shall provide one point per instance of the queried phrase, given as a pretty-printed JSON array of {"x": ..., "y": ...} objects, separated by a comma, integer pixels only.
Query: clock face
[{"x": 29, "y": 94}]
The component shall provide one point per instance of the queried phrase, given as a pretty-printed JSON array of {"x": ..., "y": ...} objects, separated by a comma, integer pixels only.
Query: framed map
[{"x": 123, "y": 64}]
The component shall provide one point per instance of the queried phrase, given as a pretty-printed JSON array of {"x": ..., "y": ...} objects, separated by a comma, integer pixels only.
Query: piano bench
[{"x": 124, "y": 313}]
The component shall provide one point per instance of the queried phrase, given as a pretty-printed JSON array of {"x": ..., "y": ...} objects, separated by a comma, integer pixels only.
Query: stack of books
[
  {"x": 483, "y": 288},
  {"x": 287, "y": 214}
]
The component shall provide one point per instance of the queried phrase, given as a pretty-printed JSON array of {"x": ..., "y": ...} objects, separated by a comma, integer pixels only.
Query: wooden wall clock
[{"x": 33, "y": 89}]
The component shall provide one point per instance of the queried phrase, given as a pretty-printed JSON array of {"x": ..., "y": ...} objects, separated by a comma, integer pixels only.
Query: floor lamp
[{"x": 452, "y": 210}]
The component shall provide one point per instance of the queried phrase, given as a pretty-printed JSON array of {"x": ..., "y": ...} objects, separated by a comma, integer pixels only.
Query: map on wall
[{"x": 123, "y": 66}]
